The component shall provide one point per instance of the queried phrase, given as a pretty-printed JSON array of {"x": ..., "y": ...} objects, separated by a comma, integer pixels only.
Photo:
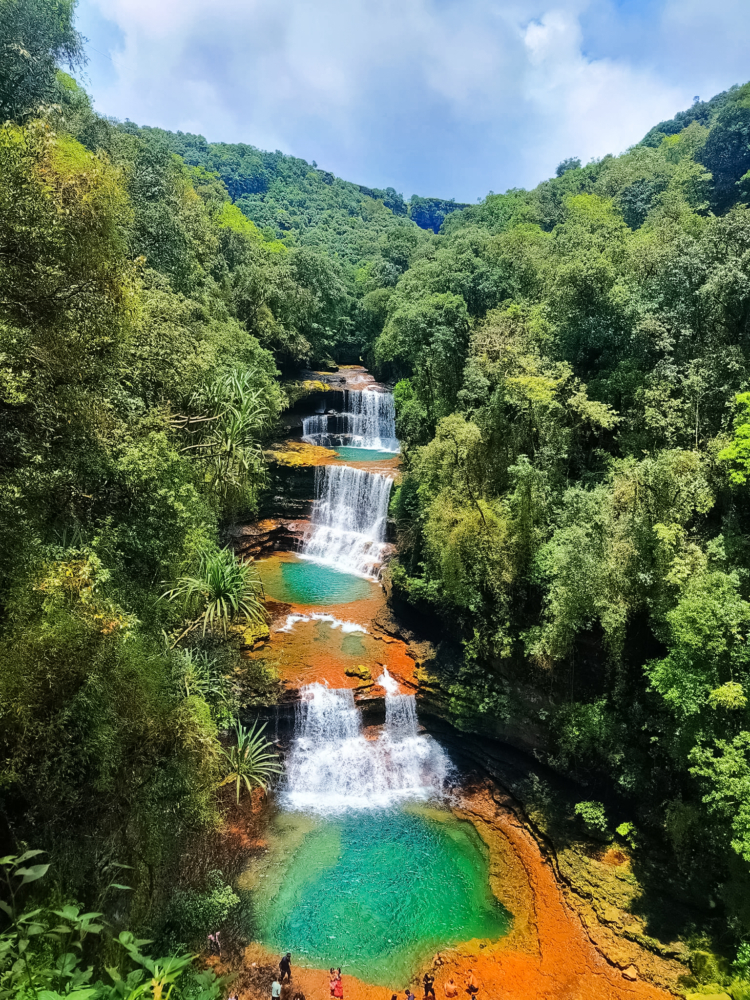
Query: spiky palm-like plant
[
  {"x": 225, "y": 589},
  {"x": 225, "y": 423},
  {"x": 252, "y": 761}
]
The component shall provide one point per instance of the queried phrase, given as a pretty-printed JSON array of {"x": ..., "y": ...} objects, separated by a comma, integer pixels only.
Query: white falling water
[
  {"x": 348, "y": 521},
  {"x": 319, "y": 616},
  {"x": 332, "y": 768},
  {"x": 368, "y": 421}
]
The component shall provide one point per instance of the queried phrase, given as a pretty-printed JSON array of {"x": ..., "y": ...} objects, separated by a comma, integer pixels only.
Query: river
[{"x": 377, "y": 853}]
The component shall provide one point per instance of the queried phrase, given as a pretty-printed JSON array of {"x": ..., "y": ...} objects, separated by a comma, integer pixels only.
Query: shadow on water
[{"x": 672, "y": 903}]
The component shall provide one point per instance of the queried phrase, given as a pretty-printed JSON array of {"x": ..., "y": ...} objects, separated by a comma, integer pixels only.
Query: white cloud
[{"x": 448, "y": 97}]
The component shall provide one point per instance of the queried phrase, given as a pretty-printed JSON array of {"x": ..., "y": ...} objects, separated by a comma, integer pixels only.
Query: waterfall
[
  {"x": 333, "y": 768},
  {"x": 368, "y": 421},
  {"x": 348, "y": 519}
]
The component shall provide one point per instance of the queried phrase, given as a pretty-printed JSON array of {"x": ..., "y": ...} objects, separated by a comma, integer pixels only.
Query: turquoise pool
[
  {"x": 300, "y": 581},
  {"x": 376, "y": 893}
]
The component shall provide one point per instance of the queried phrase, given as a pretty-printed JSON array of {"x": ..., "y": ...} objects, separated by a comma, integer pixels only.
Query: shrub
[
  {"x": 193, "y": 914},
  {"x": 594, "y": 818}
]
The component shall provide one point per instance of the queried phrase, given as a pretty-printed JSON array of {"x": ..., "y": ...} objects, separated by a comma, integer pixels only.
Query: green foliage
[
  {"x": 430, "y": 213},
  {"x": 737, "y": 453},
  {"x": 135, "y": 402},
  {"x": 41, "y": 951},
  {"x": 193, "y": 914},
  {"x": 708, "y": 647},
  {"x": 35, "y": 36},
  {"x": 298, "y": 202},
  {"x": 572, "y": 367},
  {"x": 594, "y": 818},
  {"x": 224, "y": 591},
  {"x": 724, "y": 769},
  {"x": 251, "y": 760},
  {"x": 628, "y": 833},
  {"x": 571, "y": 163}
]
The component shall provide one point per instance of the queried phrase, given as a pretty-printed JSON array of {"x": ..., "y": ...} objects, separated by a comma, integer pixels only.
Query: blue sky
[{"x": 449, "y": 98}]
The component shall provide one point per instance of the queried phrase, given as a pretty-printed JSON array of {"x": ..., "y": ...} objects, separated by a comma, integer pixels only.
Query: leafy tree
[
  {"x": 35, "y": 35},
  {"x": 571, "y": 163},
  {"x": 223, "y": 592},
  {"x": 737, "y": 453}
]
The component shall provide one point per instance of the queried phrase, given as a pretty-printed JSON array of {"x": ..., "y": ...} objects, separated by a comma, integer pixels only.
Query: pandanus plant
[
  {"x": 223, "y": 590},
  {"x": 252, "y": 760},
  {"x": 225, "y": 423}
]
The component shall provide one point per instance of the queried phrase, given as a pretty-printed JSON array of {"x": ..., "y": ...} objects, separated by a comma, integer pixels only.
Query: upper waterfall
[
  {"x": 334, "y": 768},
  {"x": 367, "y": 421}
]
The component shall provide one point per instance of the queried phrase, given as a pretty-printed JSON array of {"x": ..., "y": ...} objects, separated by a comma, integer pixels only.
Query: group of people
[
  {"x": 450, "y": 989},
  {"x": 336, "y": 983},
  {"x": 285, "y": 973}
]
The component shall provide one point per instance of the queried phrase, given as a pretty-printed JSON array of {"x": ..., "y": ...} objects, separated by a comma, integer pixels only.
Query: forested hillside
[
  {"x": 293, "y": 200},
  {"x": 572, "y": 369}
]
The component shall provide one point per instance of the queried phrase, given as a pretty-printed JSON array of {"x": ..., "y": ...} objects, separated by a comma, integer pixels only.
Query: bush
[
  {"x": 193, "y": 914},
  {"x": 594, "y": 818}
]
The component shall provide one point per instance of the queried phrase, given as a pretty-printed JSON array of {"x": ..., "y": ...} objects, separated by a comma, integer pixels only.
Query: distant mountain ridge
[{"x": 285, "y": 195}]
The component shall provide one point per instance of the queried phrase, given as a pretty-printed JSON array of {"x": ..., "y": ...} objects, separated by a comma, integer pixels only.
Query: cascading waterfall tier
[
  {"x": 333, "y": 768},
  {"x": 348, "y": 519},
  {"x": 368, "y": 421}
]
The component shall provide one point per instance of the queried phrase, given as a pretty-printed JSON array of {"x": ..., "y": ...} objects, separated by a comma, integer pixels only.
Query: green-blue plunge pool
[
  {"x": 374, "y": 892},
  {"x": 300, "y": 581},
  {"x": 364, "y": 454}
]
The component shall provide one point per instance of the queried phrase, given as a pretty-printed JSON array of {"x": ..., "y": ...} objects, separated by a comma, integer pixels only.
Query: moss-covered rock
[{"x": 362, "y": 672}]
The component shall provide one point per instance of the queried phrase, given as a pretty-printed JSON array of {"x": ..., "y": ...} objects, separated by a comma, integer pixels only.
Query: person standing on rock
[
  {"x": 338, "y": 987},
  {"x": 275, "y": 990},
  {"x": 285, "y": 967},
  {"x": 429, "y": 986},
  {"x": 472, "y": 986}
]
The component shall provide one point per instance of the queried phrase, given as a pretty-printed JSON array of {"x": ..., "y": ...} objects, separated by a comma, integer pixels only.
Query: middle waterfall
[{"x": 348, "y": 519}]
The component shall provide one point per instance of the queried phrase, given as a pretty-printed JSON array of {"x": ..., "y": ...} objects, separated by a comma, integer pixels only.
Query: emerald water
[
  {"x": 376, "y": 893},
  {"x": 301, "y": 581},
  {"x": 364, "y": 868},
  {"x": 363, "y": 454}
]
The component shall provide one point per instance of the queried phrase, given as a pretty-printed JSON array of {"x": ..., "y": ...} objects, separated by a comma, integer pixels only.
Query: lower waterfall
[
  {"x": 334, "y": 768},
  {"x": 349, "y": 519}
]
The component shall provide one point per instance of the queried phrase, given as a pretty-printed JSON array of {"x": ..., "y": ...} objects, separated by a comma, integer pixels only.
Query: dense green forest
[
  {"x": 291, "y": 199},
  {"x": 572, "y": 379},
  {"x": 574, "y": 367}
]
